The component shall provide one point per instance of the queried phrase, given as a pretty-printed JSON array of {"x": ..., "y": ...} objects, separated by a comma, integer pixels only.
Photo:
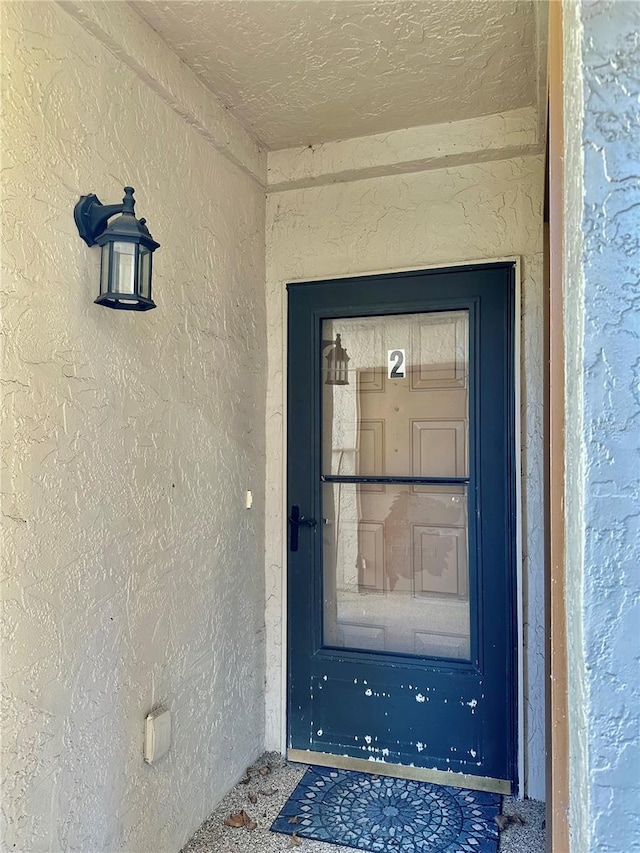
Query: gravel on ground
[{"x": 266, "y": 788}]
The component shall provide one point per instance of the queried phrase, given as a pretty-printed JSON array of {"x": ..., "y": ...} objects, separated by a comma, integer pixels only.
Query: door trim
[
  {"x": 519, "y": 789},
  {"x": 401, "y": 771},
  {"x": 557, "y": 711}
]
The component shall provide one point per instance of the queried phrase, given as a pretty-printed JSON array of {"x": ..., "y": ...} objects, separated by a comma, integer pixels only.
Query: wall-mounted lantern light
[
  {"x": 127, "y": 249},
  {"x": 337, "y": 363}
]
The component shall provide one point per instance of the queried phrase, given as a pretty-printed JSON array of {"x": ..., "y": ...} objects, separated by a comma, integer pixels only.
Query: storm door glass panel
[{"x": 395, "y": 460}]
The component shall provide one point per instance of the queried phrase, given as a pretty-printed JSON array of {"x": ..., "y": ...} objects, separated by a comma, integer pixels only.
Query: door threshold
[{"x": 401, "y": 771}]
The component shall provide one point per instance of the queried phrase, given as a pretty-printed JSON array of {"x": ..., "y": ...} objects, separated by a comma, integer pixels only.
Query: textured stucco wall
[
  {"x": 602, "y": 275},
  {"x": 133, "y": 573},
  {"x": 574, "y": 510},
  {"x": 356, "y": 68},
  {"x": 446, "y": 216},
  {"x": 414, "y": 149}
]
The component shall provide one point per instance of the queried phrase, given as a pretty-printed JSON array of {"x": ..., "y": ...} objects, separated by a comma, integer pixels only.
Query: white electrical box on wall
[{"x": 157, "y": 735}]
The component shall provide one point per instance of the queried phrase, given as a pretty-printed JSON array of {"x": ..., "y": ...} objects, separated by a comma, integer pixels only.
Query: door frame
[
  {"x": 556, "y": 670},
  {"x": 516, "y": 260}
]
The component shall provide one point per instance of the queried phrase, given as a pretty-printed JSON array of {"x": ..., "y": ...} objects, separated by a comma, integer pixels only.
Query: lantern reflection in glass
[{"x": 337, "y": 364}]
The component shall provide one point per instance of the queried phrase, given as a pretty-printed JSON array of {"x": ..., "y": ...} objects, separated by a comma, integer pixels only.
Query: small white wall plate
[{"x": 157, "y": 735}]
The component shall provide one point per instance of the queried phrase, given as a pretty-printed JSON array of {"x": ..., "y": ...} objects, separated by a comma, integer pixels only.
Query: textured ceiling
[{"x": 298, "y": 72}]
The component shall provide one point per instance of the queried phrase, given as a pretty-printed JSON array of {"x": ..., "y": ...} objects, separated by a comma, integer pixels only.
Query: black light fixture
[
  {"x": 337, "y": 363},
  {"x": 127, "y": 249}
]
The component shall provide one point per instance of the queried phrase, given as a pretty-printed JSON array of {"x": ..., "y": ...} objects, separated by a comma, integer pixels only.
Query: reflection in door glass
[
  {"x": 415, "y": 425},
  {"x": 396, "y": 555},
  {"x": 396, "y": 573}
]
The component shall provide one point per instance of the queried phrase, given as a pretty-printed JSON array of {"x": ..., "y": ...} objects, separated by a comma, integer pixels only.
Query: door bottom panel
[{"x": 399, "y": 771}]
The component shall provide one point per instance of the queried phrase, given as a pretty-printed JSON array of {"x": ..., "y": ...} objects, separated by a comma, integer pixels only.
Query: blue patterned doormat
[{"x": 378, "y": 813}]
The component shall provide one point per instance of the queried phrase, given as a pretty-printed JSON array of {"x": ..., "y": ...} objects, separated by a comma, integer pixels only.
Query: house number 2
[{"x": 396, "y": 364}]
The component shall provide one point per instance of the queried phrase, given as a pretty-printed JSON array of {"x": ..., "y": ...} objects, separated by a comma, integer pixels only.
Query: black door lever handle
[{"x": 296, "y": 521}]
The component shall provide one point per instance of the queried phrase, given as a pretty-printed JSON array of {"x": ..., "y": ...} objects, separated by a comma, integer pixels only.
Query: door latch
[{"x": 296, "y": 521}]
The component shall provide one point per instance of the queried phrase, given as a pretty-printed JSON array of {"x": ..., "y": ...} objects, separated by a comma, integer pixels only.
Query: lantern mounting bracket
[{"x": 91, "y": 216}]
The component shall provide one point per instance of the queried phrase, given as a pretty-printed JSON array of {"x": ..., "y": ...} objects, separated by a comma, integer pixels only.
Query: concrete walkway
[{"x": 267, "y": 791}]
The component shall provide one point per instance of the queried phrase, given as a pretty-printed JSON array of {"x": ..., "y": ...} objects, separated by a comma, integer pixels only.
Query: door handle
[{"x": 296, "y": 521}]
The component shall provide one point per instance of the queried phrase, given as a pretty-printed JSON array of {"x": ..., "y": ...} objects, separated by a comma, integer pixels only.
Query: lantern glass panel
[
  {"x": 144, "y": 273},
  {"x": 124, "y": 267},
  {"x": 105, "y": 266}
]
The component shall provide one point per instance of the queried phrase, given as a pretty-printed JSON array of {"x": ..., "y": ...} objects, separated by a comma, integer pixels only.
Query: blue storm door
[{"x": 401, "y": 590}]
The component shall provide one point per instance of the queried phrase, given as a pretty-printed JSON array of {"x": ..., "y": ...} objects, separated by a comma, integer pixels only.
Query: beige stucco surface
[
  {"x": 413, "y": 149},
  {"x": 133, "y": 574},
  {"x": 299, "y": 73},
  {"x": 447, "y": 216},
  {"x": 143, "y": 51}
]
